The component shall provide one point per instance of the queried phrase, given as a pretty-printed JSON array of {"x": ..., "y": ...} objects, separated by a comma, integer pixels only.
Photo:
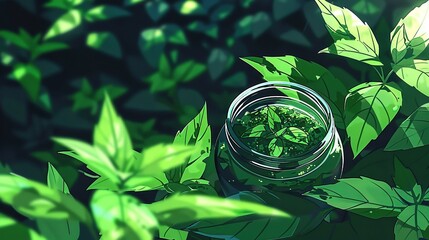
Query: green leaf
[
  {"x": 104, "y": 42},
  {"x": 415, "y": 216},
  {"x": 273, "y": 119},
  {"x": 222, "y": 12},
  {"x": 295, "y": 135},
  {"x": 166, "y": 232},
  {"x": 404, "y": 178},
  {"x": 121, "y": 216},
  {"x": 255, "y": 24},
  {"x": 405, "y": 232},
  {"x": 36, "y": 200},
  {"x": 111, "y": 136},
  {"x": 48, "y": 47},
  {"x": 170, "y": 211},
  {"x": 67, "y": 22},
  {"x": 30, "y": 77},
  {"x": 132, "y": 2},
  {"x": 363, "y": 196},
  {"x": 355, "y": 50},
  {"x": 344, "y": 24},
  {"x": 12, "y": 229},
  {"x": 174, "y": 34},
  {"x": 151, "y": 43},
  {"x": 411, "y": 132},
  {"x": 237, "y": 80},
  {"x": 190, "y": 7},
  {"x": 105, "y": 12},
  {"x": 210, "y": 30},
  {"x": 310, "y": 74},
  {"x": 416, "y": 74},
  {"x": 64, "y": 4},
  {"x": 411, "y": 35},
  {"x": 275, "y": 146},
  {"x": 369, "y": 108},
  {"x": 95, "y": 159},
  {"x": 58, "y": 229},
  {"x": 254, "y": 132},
  {"x": 188, "y": 71},
  {"x": 283, "y": 8},
  {"x": 156, "y": 9},
  {"x": 218, "y": 62},
  {"x": 198, "y": 133},
  {"x": 14, "y": 38}
]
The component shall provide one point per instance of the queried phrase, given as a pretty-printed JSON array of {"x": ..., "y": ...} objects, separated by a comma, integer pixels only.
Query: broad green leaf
[
  {"x": 48, "y": 47},
  {"x": 188, "y": 71},
  {"x": 363, "y": 196},
  {"x": 105, "y": 12},
  {"x": 273, "y": 119},
  {"x": 411, "y": 35},
  {"x": 411, "y": 132},
  {"x": 156, "y": 9},
  {"x": 310, "y": 74},
  {"x": 415, "y": 216},
  {"x": 355, "y": 50},
  {"x": 12, "y": 229},
  {"x": 95, "y": 159},
  {"x": 36, "y": 200},
  {"x": 218, "y": 62},
  {"x": 404, "y": 231},
  {"x": 198, "y": 133},
  {"x": 415, "y": 74},
  {"x": 151, "y": 43},
  {"x": 58, "y": 229},
  {"x": 254, "y": 132},
  {"x": 404, "y": 178},
  {"x": 275, "y": 146},
  {"x": 369, "y": 108},
  {"x": 344, "y": 24},
  {"x": 14, "y": 38},
  {"x": 170, "y": 211},
  {"x": 190, "y": 7},
  {"x": 295, "y": 135},
  {"x": 104, "y": 42},
  {"x": 166, "y": 232},
  {"x": 30, "y": 77},
  {"x": 120, "y": 216},
  {"x": 111, "y": 136},
  {"x": 103, "y": 183},
  {"x": 67, "y": 22}
]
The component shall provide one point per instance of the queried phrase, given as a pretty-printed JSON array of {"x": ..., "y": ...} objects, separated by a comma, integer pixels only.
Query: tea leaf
[
  {"x": 12, "y": 229},
  {"x": 195, "y": 208},
  {"x": 67, "y": 22},
  {"x": 344, "y": 25},
  {"x": 369, "y": 108},
  {"x": 404, "y": 231},
  {"x": 416, "y": 74},
  {"x": 48, "y": 47},
  {"x": 15, "y": 39},
  {"x": 411, "y": 35},
  {"x": 256, "y": 131},
  {"x": 105, "y": 12},
  {"x": 30, "y": 77},
  {"x": 36, "y": 200},
  {"x": 296, "y": 135},
  {"x": 58, "y": 229},
  {"x": 273, "y": 119},
  {"x": 275, "y": 146},
  {"x": 104, "y": 42},
  {"x": 122, "y": 216},
  {"x": 197, "y": 132},
  {"x": 111, "y": 136},
  {"x": 403, "y": 178},
  {"x": 415, "y": 216},
  {"x": 355, "y": 50},
  {"x": 363, "y": 196}
]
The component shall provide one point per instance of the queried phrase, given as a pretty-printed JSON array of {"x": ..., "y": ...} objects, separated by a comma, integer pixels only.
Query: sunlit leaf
[
  {"x": 151, "y": 43},
  {"x": 105, "y": 12},
  {"x": 67, "y": 22},
  {"x": 416, "y": 74},
  {"x": 190, "y": 7},
  {"x": 29, "y": 76},
  {"x": 14, "y": 230},
  {"x": 104, "y": 42}
]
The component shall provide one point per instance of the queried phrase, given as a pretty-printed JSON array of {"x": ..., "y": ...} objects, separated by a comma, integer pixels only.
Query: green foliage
[
  {"x": 67, "y": 22},
  {"x": 105, "y": 12},
  {"x": 15, "y": 230},
  {"x": 104, "y": 42}
]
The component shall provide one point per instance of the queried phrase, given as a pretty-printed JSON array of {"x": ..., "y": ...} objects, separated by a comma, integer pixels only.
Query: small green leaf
[
  {"x": 105, "y": 12},
  {"x": 363, "y": 196},
  {"x": 404, "y": 178},
  {"x": 416, "y": 74},
  {"x": 295, "y": 135},
  {"x": 47, "y": 48},
  {"x": 55, "y": 181},
  {"x": 188, "y": 71},
  {"x": 12, "y": 229},
  {"x": 222, "y": 12},
  {"x": 104, "y": 42},
  {"x": 273, "y": 119},
  {"x": 369, "y": 108},
  {"x": 283, "y": 8},
  {"x": 256, "y": 131},
  {"x": 14, "y": 38},
  {"x": 111, "y": 136},
  {"x": 415, "y": 216},
  {"x": 30, "y": 77},
  {"x": 218, "y": 62},
  {"x": 156, "y": 9},
  {"x": 275, "y": 146},
  {"x": 132, "y": 2},
  {"x": 255, "y": 24},
  {"x": 190, "y": 7},
  {"x": 171, "y": 233},
  {"x": 174, "y": 34},
  {"x": 168, "y": 211},
  {"x": 411, "y": 35},
  {"x": 36, "y": 200},
  {"x": 151, "y": 43},
  {"x": 343, "y": 24},
  {"x": 404, "y": 231},
  {"x": 121, "y": 216},
  {"x": 355, "y": 50},
  {"x": 67, "y": 22}
]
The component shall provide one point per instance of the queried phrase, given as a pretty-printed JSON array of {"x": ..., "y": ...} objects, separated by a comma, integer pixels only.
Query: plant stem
[
  {"x": 379, "y": 74},
  {"x": 388, "y": 75}
]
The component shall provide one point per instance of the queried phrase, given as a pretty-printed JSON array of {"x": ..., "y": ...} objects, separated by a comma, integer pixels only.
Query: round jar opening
[{"x": 279, "y": 125}]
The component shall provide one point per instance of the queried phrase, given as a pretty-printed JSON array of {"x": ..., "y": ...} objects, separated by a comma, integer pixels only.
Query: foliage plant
[{"x": 368, "y": 109}]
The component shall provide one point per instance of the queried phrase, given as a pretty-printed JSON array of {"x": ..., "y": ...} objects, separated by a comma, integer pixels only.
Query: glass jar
[{"x": 243, "y": 169}]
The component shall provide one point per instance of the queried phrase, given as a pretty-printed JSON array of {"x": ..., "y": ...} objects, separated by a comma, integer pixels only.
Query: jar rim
[{"x": 317, "y": 149}]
